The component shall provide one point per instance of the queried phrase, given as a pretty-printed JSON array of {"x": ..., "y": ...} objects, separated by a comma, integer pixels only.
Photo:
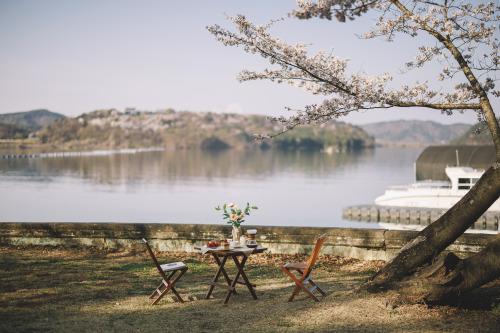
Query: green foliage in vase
[{"x": 236, "y": 216}]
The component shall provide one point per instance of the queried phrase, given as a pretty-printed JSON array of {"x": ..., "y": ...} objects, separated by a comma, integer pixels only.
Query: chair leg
[
  {"x": 169, "y": 284},
  {"x": 157, "y": 291},
  {"x": 317, "y": 287},
  {"x": 162, "y": 284},
  {"x": 309, "y": 293},
  {"x": 295, "y": 293},
  {"x": 161, "y": 293},
  {"x": 299, "y": 286},
  {"x": 312, "y": 283}
]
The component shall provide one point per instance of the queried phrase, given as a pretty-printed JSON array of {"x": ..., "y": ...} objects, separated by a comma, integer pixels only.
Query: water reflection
[
  {"x": 174, "y": 166},
  {"x": 290, "y": 188}
]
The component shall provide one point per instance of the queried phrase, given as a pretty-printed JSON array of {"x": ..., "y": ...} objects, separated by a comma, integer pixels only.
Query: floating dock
[
  {"x": 411, "y": 216},
  {"x": 85, "y": 153}
]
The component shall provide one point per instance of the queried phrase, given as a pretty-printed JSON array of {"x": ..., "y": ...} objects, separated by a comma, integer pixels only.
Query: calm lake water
[{"x": 290, "y": 188}]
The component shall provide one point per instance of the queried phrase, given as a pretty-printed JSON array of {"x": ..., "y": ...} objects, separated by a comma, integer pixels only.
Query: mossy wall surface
[{"x": 365, "y": 244}]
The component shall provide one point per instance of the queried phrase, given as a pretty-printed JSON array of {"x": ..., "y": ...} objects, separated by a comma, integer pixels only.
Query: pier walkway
[{"x": 411, "y": 216}]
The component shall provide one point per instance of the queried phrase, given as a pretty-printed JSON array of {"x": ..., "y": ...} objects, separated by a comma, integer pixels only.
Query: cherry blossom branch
[
  {"x": 486, "y": 107},
  {"x": 476, "y": 106},
  {"x": 465, "y": 38}
]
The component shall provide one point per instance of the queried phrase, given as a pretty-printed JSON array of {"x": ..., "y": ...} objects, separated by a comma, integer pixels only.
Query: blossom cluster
[
  {"x": 341, "y": 9},
  {"x": 471, "y": 30}
]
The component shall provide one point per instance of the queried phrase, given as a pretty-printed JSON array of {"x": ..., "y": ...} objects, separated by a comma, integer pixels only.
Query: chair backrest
[
  {"x": 315, "y": 253},
  {"x": 158, "y": 267}
]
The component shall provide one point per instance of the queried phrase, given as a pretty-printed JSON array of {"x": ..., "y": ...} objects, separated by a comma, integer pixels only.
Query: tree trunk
[
  {"x": 431, "y": 241},
  {"x": 447, "y": 278}
]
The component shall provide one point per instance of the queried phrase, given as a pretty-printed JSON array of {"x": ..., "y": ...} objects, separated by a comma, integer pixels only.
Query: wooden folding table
[{"x": 221, "y": 257}]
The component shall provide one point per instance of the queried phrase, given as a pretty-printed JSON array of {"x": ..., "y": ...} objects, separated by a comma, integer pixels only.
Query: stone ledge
[{"x": 365, "y": 244}]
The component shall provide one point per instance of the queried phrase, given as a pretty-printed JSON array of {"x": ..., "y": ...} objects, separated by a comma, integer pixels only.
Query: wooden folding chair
[
  {"x": 167, "y": 282},
  {"x": 305, "y": 270}
]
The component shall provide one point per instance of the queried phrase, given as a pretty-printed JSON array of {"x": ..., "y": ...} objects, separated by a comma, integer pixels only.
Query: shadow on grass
[{"x": 44, "y": 292}]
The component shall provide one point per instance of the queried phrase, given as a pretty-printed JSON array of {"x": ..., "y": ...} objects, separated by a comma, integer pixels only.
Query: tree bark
[
  {"x": 455, "y": 276},
  {"x": 467, "y": 274},
  {"x": 431, "y": 241},
  {"x": 447, "y": 278}
]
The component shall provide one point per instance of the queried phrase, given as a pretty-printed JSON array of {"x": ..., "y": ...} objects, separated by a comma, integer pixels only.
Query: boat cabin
[{"x": 463, "y": 178}]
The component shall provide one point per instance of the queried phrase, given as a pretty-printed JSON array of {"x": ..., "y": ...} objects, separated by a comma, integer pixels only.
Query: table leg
[
  {"x": 245, "y": 278},
  {"x": 219, "y": 271},
  {"x": 240, "y": 266},
  {"x": 226, "y": 277}
]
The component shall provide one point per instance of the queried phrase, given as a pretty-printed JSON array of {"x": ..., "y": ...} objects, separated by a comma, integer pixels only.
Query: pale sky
[{"x": 74, "y": 57}]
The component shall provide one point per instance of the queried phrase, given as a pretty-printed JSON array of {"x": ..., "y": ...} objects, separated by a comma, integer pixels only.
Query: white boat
[{"x": 434, "y": 194}]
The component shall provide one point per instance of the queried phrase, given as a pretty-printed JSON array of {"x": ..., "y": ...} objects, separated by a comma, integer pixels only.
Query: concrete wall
[{"x": 366, "y": 244}]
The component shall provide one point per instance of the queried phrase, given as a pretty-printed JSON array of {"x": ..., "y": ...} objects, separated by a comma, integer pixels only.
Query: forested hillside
[
  {"x": 111, "y": 129},
  {"x": 20, "y": 124},
  {"x": 477, "y": 134},
  {"x": 414, "y": 132},
  {"x": 9, "y": 131}
]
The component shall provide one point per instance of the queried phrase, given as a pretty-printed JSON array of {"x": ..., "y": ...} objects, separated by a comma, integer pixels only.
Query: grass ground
[{"x": 46, "y": 289}]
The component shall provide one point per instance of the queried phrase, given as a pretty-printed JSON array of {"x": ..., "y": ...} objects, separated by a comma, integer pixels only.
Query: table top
[{"x": 219, "y": 251}]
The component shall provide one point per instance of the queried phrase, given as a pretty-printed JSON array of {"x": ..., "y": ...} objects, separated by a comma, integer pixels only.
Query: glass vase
[{"x": 237, "y": 233}]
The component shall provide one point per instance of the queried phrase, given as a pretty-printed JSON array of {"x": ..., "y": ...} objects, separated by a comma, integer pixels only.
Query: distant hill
[
  {"x": 414, "y": 132},
  {"x": 473, "y": 137},
  {"x": 111, "y": 129},
  {"x": 23, "y": 123}
]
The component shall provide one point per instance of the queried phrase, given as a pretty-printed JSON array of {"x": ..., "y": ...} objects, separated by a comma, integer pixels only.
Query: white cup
[{"x": 235, "y": 244}]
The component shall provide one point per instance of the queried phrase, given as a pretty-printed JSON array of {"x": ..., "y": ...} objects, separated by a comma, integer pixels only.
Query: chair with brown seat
[
  {"x": 304, "y": 270},
  {"x": 167, "y": 282}
]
